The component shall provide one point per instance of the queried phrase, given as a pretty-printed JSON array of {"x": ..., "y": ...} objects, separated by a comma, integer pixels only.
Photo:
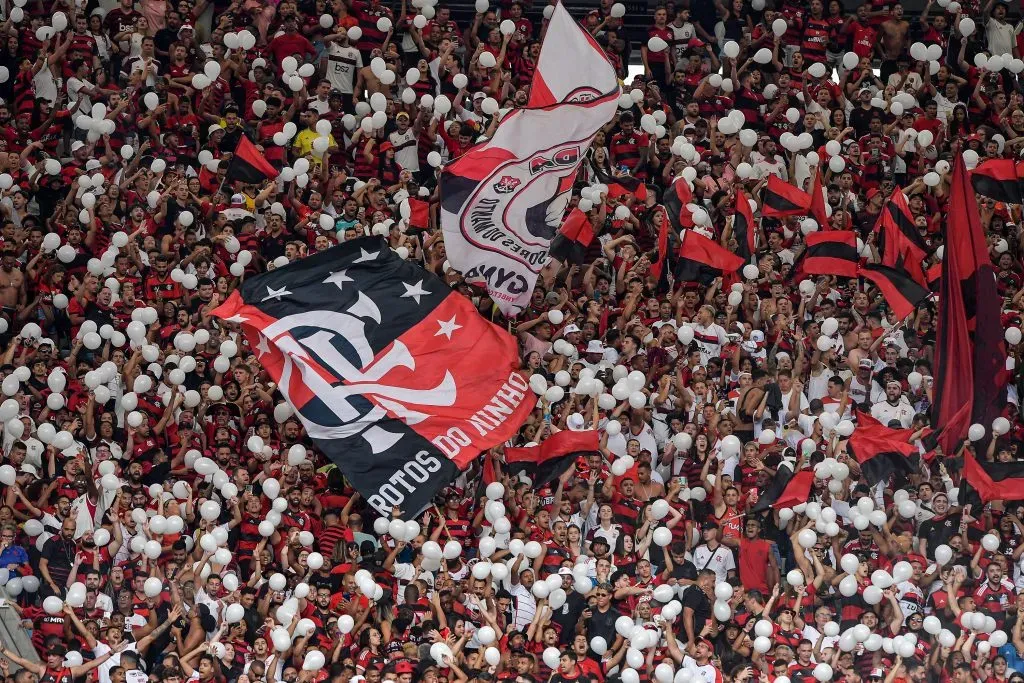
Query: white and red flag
[{"x": 503, "y": 201}]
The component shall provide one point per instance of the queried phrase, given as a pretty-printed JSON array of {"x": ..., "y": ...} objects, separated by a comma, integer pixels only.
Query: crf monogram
[
  {"x": 564, "y": 157},
  {"x": 368, "y": 378}
]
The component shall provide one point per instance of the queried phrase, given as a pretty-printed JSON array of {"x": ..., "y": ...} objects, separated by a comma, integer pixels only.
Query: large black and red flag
[
  {"x": 547, "y": 461},
  {"x": 992, "y": 480},
  {"x": 869, "y": 420},
  {"x": 780, "y": 199},
  {"x": 786, "y": 489},
  {"x": 900, "y": 290},
  {"x": 830, "y": 252},
  {"x": 999, "y": 179},
  {"x": 570, "y": 243},
  {"x": 743, "y": 226},
  {"x": 248, "y": 165},
  {"x": 882, "y": 452},
  {"x": 397, "y": 378},
  {"x": 701, "y": 259},
  {"x": 969, "y": 376}
]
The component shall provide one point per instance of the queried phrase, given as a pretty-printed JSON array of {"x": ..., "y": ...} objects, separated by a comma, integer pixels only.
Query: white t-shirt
[
  {"x": 104, "y": 669},
  {"x": 648, "y": 442},
  {"x": 525, "y": 606},
  {"x": 710, "y": 340},
  {"x": 343, "y": 63},
  {"x": 720, "y": 561},
  {"x": 902, "y": 411}
]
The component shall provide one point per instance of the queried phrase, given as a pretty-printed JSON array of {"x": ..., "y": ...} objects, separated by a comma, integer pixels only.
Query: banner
[
  {"x": 503, "y": 201},
  {"x": 401, "y": 400}
]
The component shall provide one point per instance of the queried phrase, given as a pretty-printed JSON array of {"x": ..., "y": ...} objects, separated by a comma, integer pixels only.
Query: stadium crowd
[{"x": 166, "y": 518}]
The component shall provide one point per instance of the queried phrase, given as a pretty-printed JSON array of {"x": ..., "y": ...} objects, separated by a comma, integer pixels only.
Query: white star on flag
[
  {"x": 338, "y": 278},
  {"x": 236, "y": 318},
  {"x": 447, "y": 328},
  {"x": 262, "y": 347},
  {"x": 415, "y": 291},
  {"x": 366, "y": 256},
  {"x": 275, "y": 293}
]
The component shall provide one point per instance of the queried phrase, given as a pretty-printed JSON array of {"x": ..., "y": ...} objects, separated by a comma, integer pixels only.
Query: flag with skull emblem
[{"x": 397, "y": 378}]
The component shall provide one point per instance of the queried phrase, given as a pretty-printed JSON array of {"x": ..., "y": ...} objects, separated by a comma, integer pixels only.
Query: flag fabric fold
[
  {"x": 573, "y": 238},
  {"x": 677, "y": 197},
  {"x": 743, "y": 227},
  {"x": 969, "y": 375},
  {"x": 900, "y": 290},
  {"x": 999, "y": 179},
  {"x": 248, "y": 165},
  {"x": 818, "y": 203},
  {"x": 503, "y": 201},
  {"x": 780, "y": 199},
  {"x": 830, "y": 252},
  {"x": 396, "y": 378},
  {"x": 881, "y": 452},
  {"x": 994, "y": 480},
  {"x": 786, "y": 489},
  {"x": 701, "y": 258},
  {"x": 546, "y": 461}
]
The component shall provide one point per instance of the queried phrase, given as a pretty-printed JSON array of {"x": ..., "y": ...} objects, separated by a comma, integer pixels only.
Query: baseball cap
[
  {"x": 565, "y": 571},
  {"x": 877, "y": 673},
  {"x": 238, "y": 200},
  {"x": 865, "y": 363},
  {"x": 872, "y": 193},
  {"x": 569, "y": 329},
  {"x": 77, "y": 145},
  {"x": 402, "y": 115},
  {"x": 404, "y": 666},
  {"x": 385, "y": 146},
  {"x": 575, "y": 422},
  {"x": 185, "y": 27}
]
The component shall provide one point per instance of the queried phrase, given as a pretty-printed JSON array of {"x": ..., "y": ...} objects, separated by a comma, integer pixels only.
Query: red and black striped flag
[
  {"x": 786, "y": 489},
  {"x": 901, "y": 292},
  {"x": 832, "y": 252},
  {"x": 573, "y": 238},
  {"x": 999, "y": 179},
  {"x": 547, "y": 461},
  {"x": 743, "y": 226},
  {"x": 677, "y": 196},
  {"x": 398, "y": 379},
  {"x": 993, "y": 480},
  {"x": 248, "y": 165},
  {"x": 881, "y": 452},
  {"x": 779, "y": 199},
  {"x": 702, "y": 259}
]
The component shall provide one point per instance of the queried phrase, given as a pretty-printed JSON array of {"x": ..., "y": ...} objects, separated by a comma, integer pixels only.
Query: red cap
[{"x": 404, "y": 666}]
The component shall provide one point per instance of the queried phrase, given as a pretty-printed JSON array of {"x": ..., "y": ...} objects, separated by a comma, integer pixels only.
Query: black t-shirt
[
  {"x": 700, "y": 603},
  {"x": 567, "y": 615},
  {"x": 602, "y": 624},
  {"x": 937, "y": 531}
]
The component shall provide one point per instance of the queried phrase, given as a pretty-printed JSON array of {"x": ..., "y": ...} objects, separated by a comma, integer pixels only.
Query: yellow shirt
[{"x": 304, "y": 142}]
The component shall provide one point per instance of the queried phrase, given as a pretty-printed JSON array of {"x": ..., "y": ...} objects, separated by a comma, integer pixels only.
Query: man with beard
[{"x": 57, "y": 558}]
